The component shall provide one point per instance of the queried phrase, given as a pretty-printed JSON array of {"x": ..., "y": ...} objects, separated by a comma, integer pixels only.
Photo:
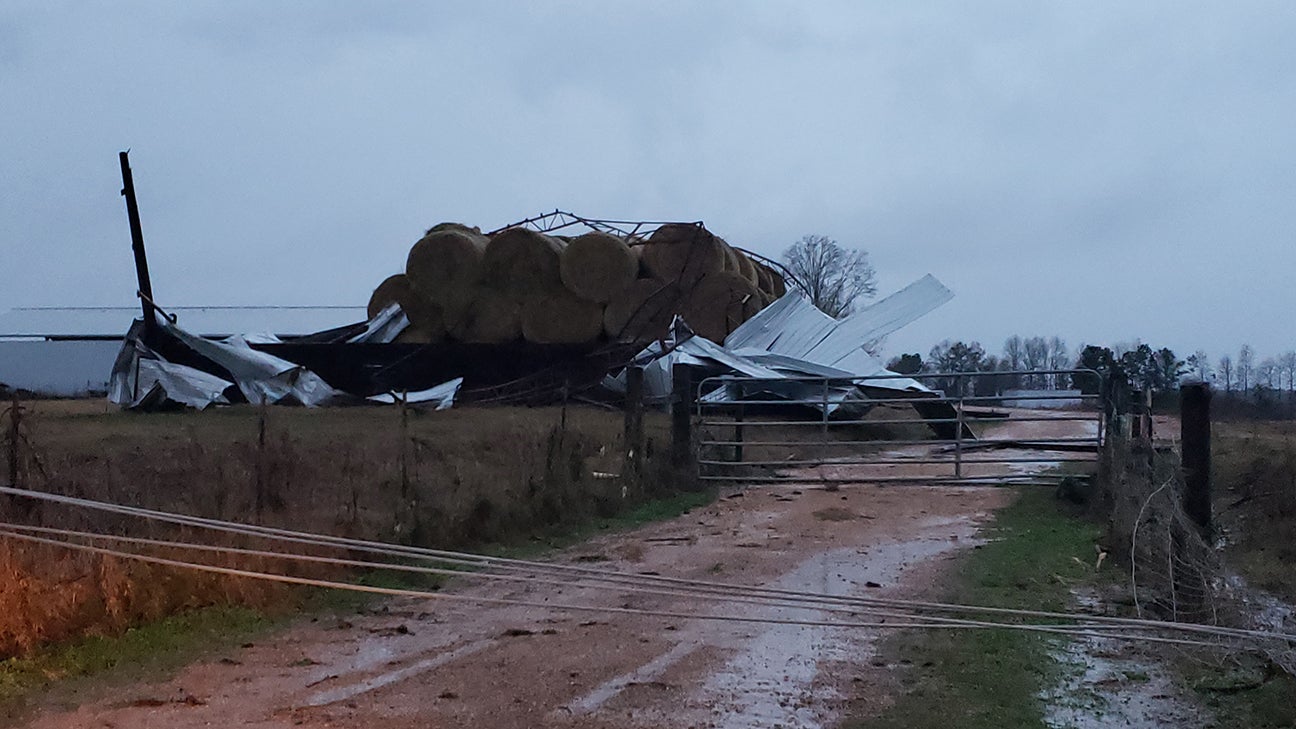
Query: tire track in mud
[{"x": 423, "y": 663}]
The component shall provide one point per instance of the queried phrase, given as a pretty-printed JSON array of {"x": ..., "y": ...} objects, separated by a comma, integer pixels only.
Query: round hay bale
[
  {"x": 491, "y": 317},
  {"x": 522, "y": 262},
  {"x": 418, "y": 335},
  {"x": 747, "y": 268},
  {"x": 719, "y": 303},
  {"x": 595, "y": 266},
  {"x": 764, "y": 278},
  {"x": 642, "y": 311},
  {"x": 424, "y": 314},
  {"x": 391, "y": 291},
  {"x": 683, "y": 253},
  {"x": 637, "y": 251},
  {"x": 457, "y": 227},
  {"x": 560, "y": 317},
  {"x": 778, "y": 286},
  {"x": 444, "y": 266},
  {"x": 731, "y": 259}
]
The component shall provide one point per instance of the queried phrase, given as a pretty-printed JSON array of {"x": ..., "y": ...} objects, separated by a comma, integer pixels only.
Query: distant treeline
[{"x": 1244, "y": 385}]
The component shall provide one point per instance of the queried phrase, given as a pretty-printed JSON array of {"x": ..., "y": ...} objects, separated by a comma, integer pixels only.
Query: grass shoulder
[
  {"x": 59, "y": 673},
  {"x": 1035, "y": 550}
]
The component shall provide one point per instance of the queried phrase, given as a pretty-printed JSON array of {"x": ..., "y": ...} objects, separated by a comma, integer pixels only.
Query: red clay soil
[{"x": 436, "y": 663}]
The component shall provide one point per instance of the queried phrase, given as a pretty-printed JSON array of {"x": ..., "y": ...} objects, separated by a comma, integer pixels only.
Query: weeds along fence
[
  {"x": 453, "y": 478},
  {"x": 1175, "y": 568}
]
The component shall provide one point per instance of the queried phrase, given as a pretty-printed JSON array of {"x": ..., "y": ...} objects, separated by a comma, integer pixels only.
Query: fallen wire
[
  {"x": 16, "y": 530},
  {"x": 695, "y": 588},
  {"x": 545, "y": 605}
]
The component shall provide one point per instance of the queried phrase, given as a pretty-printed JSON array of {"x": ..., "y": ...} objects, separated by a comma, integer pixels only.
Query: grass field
[{"x": 464, "y": 477}]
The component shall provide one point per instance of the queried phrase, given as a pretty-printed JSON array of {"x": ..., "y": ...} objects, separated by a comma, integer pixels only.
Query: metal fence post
[
  {"x": 1195, "y": 440},
  {"x": 738, "y": 434},
  {"x": 825, "y": 410},
  {"x": 958, "y": 442}
]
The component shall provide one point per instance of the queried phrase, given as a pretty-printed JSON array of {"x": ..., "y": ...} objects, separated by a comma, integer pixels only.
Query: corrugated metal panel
[
  {"x": 874, "y": 322},
  {"x": 795, "y": 328},
  {"x": 207, "y": 321}
]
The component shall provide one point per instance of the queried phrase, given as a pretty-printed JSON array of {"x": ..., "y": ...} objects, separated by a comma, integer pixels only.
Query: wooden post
[
  {"x": 1195, "y": 440},
  {"x": 1147, "y": 415},
  {"x": 261, "y": 460},
  {"x": 682, "y": 415},
  {"x": 634, "y": 406},
  {"x": 15, "y": 421},
  {"x": 404, "y": 447}
]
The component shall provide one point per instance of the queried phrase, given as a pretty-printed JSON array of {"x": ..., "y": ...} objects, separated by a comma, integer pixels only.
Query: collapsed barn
[{"x": 551, "y": 307}]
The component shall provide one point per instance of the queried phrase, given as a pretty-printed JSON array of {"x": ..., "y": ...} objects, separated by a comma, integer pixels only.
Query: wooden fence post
[
  {"x": 1195, "y": 441},
  {"x": 634, "y": 407},
  {"x": 404, "y": 448},
  {"x": 261, "y": 476},
  {"x": 682, "y": 416},
  {"x": 11, "y": 441}
]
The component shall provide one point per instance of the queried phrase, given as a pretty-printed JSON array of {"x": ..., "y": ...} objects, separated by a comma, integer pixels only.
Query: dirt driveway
[{"x": 421, "y": 663}]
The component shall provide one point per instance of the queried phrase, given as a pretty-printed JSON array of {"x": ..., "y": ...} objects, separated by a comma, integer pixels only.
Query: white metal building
[{"x": 69, "y": 351}]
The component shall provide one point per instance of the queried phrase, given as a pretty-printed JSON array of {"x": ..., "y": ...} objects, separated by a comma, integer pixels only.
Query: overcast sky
[{"x": 1101, "y": 171}]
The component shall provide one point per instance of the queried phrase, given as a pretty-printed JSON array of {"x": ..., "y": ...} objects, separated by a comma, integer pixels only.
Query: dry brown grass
[
  {"x": 1255, "y": 499},
  {"x": 455, "y": 478}
]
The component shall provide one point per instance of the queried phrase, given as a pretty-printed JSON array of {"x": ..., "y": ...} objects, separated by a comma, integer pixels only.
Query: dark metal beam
[{"x": 137, "y": 245}]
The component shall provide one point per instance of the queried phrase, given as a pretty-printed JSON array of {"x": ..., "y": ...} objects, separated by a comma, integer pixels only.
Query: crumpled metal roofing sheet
[
  {"x": 874, "y": 322},
  {"x": 793, "y": 330},
  {"x": 441, "y": 397},
  {"x": 259, "y": 376},
  {"x": 161, "y": 381}
]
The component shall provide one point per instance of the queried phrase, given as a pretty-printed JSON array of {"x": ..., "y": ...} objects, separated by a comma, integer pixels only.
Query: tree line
[
  {"x": 1024, "y": 364},
  {"x": 836, "y": 279}
]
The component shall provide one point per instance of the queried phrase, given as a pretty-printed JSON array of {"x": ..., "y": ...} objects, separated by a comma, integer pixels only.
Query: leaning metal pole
[{"x": 137, "y": 245}]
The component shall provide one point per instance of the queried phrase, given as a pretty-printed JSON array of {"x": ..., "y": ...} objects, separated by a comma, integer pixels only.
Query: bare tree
[
  {"x": 1014, "y": 359},
  {"x": 1226, "y": 372},
  {"x": 1287, "y": 361},
  {"x": 1245, "y": 367},
  {"x": 1037, "y": 352},
  {"x": 1199, "y": 365},
  {"x": 832, "y": 277},
  {"x": 1268, "y": 374},
  {"x": 1059, "y": 358}
]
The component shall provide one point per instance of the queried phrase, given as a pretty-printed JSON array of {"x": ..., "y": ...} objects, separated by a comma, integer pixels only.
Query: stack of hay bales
[{"x": 519, "y": 284}]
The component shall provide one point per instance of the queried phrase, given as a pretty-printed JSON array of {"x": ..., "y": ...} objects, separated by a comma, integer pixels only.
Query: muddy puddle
[{"x": 1109, "y": 683}]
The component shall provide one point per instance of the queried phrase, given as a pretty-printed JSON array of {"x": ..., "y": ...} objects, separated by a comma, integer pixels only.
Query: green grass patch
[
  {"x": 1243, "y": 691},
  {"x": 994, "y": 678},
  {"x": 138, "y": 653}
]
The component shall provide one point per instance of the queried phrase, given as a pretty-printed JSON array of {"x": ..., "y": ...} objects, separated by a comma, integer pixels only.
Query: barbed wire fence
[{"x": 1177, "y": 572}]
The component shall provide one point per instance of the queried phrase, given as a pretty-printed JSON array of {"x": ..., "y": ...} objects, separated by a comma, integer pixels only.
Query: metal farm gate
[{"x": 959, "y": 428}]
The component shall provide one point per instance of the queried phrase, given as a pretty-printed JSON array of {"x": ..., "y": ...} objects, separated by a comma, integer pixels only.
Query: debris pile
[{"x": 522, "y": 284}]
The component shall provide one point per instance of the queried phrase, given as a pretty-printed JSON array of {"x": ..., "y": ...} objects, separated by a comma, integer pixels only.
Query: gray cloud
[{"x": 1099, "y": 171}]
